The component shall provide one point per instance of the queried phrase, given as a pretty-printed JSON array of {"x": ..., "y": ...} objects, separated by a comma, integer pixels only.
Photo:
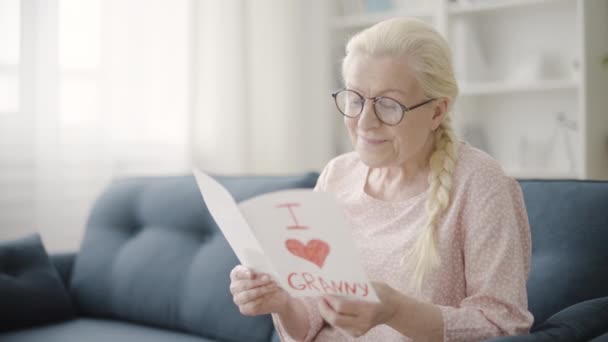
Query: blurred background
[{"x": 93, "y": 90}]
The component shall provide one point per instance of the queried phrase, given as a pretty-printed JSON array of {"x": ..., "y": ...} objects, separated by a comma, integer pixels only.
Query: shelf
[
  {"x": 489, "y": 88},
  {"x": 487, "y": 6},
  {"x": 368, "y": 19}
]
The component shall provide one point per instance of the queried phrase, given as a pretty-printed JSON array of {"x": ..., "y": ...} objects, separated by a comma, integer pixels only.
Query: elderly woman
[{"x": 440, "y": 228}]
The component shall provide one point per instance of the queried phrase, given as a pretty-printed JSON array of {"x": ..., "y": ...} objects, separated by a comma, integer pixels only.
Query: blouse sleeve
[
  {"x": 315, "y": 322},
  {"x": 322, "y": 180},
  {"x": 314, "y": 317},
  {"x": 496, "y": 250}
]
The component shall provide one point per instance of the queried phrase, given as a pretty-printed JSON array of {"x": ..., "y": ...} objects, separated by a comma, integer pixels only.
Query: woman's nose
[{"x": 368, "y": 118}]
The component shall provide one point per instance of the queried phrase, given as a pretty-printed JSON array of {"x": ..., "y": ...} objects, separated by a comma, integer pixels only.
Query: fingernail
[{"x": 265, "y": 277}]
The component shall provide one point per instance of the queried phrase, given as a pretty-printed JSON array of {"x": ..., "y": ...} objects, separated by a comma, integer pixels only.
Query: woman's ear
[{"x": 440, "y": 110}]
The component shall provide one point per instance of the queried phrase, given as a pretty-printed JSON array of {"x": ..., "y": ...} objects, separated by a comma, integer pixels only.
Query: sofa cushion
[
  {"x": 153, "y": 254},
  {"x": 569, "y": 224},
  {"x": 97, "y": 330},
  {"x": 31, "y": 291}
]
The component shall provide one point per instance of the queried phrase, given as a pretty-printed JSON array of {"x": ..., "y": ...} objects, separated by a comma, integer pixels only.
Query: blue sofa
[{"x": 153, "y": 266}]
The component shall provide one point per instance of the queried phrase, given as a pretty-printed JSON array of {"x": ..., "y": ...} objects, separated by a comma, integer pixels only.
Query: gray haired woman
[{"x": 440, "y": 228}]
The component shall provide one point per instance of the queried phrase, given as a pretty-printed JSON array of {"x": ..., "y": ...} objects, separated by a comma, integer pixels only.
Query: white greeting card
[{"x": 298, "y": 236}]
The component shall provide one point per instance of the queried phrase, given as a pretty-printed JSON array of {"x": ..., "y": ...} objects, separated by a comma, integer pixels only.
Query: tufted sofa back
[
  {"x": 152, "y": 254},
  {"x": 569, "y": 225}
]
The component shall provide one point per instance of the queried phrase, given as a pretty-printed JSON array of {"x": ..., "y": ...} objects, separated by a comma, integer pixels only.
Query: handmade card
[{"x": 298, "y": 236}]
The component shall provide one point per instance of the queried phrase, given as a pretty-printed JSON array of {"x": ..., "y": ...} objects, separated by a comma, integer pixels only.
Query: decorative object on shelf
[
  {"x": 352, "y": 7},
  {"x": 567, "y": 127},
  {"x": 537, "y": 154},
  {"x": 378, "y": 5},
  {"x": 535, "y": 66},
  {"x": 575, "y": 69},
  {"x": 414, "y": 4},
  {"x": 470, "y": 63},
  {"x": 529, "y": 68}
]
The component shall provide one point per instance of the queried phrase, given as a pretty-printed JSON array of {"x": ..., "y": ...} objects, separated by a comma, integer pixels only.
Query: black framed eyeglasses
[{"x": 389, "y": 111}]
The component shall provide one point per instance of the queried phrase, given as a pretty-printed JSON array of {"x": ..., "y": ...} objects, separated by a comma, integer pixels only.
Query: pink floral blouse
[{"x": 484, "y": 244}]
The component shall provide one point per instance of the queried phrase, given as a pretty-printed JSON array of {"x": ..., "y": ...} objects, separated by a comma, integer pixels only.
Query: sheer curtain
[
  {"x": 91, "y": 90},
  {"x": 97, "y": 89},
  {"x": 263, "y": 83}
]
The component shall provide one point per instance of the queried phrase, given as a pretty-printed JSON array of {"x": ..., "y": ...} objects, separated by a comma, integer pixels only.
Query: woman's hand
[
  {"x": 256, "y": 293},
  {"x": 356, "y": 317}
]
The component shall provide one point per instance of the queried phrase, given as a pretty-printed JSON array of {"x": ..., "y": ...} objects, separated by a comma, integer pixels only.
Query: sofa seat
[{"x": 98, "y": 330}]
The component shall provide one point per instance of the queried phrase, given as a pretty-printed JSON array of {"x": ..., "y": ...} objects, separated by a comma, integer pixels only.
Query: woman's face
[{"x": 377, "y": 144}]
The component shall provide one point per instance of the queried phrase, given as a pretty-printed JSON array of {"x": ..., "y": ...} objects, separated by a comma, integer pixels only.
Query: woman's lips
[{"x": 372, "y": 141}]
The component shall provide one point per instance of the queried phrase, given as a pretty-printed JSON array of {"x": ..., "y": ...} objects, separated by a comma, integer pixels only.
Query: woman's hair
[{"x": 429, "y": 56}]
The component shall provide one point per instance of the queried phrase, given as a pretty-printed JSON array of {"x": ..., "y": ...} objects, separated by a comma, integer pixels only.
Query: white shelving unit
[
  {"x": 363, "y": 20},
  {"x": 471, "y": 7},
  {"x": 533, "y": 77},
  {"x": 488, "y": 88}
]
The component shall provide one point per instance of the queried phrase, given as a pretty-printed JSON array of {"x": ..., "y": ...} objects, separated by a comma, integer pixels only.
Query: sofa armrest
[
  {"x": 64, "y": 263},
  {"x": 580, "y": 322}
]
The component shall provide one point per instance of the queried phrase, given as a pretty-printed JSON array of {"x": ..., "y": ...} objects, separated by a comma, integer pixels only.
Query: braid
[{"x": 424, "y": 256}]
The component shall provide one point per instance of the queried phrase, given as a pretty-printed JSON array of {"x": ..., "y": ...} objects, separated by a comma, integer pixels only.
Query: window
[
  {"x": 79, "y": 62},
  {"x": 9, "y": 56}
]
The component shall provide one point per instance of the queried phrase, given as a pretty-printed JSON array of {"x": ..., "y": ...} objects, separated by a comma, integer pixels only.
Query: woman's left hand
[{"x": 357, "y": 317}]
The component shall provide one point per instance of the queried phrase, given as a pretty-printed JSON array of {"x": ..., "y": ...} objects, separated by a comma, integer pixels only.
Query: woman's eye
[
  {"x": 354, "y": 101},
  {"x": 387, "y": 104}
]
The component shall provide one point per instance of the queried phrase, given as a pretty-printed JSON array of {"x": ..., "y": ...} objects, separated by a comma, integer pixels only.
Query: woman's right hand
[{"x": 256, "y": 293}]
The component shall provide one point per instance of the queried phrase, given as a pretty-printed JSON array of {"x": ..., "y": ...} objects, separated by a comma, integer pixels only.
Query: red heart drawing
[{"x": 315, "y": 250}]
